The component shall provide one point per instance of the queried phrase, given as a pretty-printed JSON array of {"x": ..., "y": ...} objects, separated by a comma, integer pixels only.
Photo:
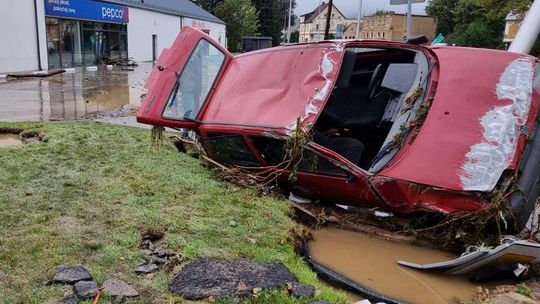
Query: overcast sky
[{"x": 350, "y": 7}]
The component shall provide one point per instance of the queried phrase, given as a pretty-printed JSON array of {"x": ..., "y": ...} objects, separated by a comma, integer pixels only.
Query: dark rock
[
  {"x": 221, "y": 278},
  {"x": 302, "y": 290},
  {"x": 146, "y": 252},
  {"x": 160, "y": 252},
  {"x": 85, "y": 289},
  {"x": 152, "y": 259},
  {"x": 71, "y": 274},
  {"x": 71, "y": 299},
  {"x": 147, "y": 268},
  {"x": 118, "y": 288}
]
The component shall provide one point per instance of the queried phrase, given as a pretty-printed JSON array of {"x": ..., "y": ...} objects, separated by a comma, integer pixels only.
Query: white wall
[
  {"x": 142, "y": 25},
  {"x": 18, "y": 43},
  {"x": 217, "y": 30}
]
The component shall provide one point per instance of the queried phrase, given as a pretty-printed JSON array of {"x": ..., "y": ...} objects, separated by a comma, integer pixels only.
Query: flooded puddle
[
  {"x": 371, "y": 262},
  {"x": 10, "y": 140},
  {"x": 70, "y": 96}
]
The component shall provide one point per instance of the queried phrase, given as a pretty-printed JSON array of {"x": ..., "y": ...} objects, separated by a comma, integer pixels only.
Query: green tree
[
  {"x": 242, "y": 20},
  {"x": 208, "y": 5},
  {"x": 445, "y": 10},
  {"x": 271, "y": 19},
  {"x": 498, "y": 9},
  {"x": 472, "y": 27}
]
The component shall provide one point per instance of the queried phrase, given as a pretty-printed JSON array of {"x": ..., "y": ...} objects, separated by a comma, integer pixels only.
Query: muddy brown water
[
  {"x": 10, "y": 140},
  {"x": 70, "y": 96},
  {"x": 371, "y": 262}
]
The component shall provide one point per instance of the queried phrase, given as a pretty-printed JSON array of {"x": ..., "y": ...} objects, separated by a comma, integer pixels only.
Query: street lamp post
[
  {"x": 409, "y": 19},
  {"x": 289, "y": 25}
]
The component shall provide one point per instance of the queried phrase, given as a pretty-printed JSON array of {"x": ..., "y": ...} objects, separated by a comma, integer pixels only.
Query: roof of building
[
  {"x": 398, "y": 14},
  {"x": 309, "y": 17},
  {"x": 514, "y": 16},
  {"x": 183, "y": 8}
]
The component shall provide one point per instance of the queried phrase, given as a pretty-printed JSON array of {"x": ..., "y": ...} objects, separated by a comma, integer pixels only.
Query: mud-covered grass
[{"x": 84, "y": 192}]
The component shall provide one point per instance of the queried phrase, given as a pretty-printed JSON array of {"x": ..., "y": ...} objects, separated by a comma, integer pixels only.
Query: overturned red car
[{"x": 399, "y": 126}]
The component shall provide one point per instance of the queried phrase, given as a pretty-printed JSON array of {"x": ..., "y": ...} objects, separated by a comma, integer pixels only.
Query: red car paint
[{"x": 263, "y": 93}]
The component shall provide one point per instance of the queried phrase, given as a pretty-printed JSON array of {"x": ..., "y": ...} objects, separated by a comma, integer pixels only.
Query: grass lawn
[{"x": 82, "y": 195}]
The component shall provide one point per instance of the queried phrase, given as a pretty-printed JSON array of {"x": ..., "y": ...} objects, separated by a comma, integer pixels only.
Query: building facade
[
  {"x": 393, "y": 27},
  {"x": 350, "y": 31},
  {"x": 51, "y": 34},
  {"x": 513, "y": 23},
  {"x": 312, "y": 24}
]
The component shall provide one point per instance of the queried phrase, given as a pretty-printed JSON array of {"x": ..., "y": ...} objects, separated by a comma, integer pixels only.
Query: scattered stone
[
  {"x": 302, "y": 290},
  {"x": 71, "y": 299},
  {"x": 118, "y": 288},
  {"x": 221, "y": 278},
  {"x": 510, "y": 297},
  {"x": 85, "y": 289},
  {"x": 2, "y": 276},
  {"x": 147, "y": 268},
  {"x": 71, "y": 274},
  {"x": 321, "y": 302}
]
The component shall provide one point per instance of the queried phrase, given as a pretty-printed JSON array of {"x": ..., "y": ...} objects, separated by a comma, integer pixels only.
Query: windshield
[{"x": 194, "y": 82}]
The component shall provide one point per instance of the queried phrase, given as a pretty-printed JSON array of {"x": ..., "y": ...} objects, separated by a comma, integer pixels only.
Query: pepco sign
[{"x": 87, "y": 10}]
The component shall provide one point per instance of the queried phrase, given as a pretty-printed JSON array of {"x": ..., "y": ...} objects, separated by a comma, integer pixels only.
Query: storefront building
[{"x": 52, "y": 34}]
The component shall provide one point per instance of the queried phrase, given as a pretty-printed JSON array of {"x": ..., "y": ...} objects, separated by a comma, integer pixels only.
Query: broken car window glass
[
  {"x": 230, "y": 149},
  {"x": 195, "y": 82}
]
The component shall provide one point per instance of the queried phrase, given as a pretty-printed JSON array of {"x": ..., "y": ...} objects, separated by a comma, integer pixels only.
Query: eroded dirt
[{"x": 10, "y": 140}]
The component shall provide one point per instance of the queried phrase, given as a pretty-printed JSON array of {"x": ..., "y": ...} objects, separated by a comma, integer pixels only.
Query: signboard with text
[{"x": 88, "y": 10}]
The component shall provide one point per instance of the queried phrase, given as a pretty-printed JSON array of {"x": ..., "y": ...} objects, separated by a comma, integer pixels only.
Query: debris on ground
[
  {"x": 85, "y": 289},
  {"x": 153, "y": 253},
  {"x": 301, "y": 290},
  {"x": 71, "y": 274},
  {"x": 222, "y": 278},
  {"x": 119, "y": 289},
  {"x": 47, "y": 73},
  {"x": 70, "y": 299},
  {"x": 121, "y": 111}
]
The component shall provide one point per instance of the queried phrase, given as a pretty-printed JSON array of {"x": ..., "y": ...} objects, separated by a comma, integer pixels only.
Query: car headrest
[{"x": 347, "y": 68}]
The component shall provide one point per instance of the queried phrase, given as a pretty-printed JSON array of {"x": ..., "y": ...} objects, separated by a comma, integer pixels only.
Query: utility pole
[
  {"x": 289, "y": 27},
  {"x": 328, "y": 16},
  {"x": 409, "y": 19},
  {"x": 358, "y": 21}
]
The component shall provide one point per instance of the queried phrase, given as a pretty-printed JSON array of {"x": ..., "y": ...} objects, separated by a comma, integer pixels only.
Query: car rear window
[{"x": 194, "y": 82}]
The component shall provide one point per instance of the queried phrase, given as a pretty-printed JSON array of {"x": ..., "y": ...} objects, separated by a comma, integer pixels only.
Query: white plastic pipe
[
  {"x": 409, "y": 19},
  {"x": 359, "y": 20},
  {"x": 528, "y": 32}
]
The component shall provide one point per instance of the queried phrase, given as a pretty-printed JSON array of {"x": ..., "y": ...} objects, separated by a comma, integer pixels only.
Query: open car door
[{"x": 183, "y": 80}]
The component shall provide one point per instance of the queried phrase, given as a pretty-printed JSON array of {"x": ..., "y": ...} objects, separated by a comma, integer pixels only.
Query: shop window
[{"x": 230, "y": 150}]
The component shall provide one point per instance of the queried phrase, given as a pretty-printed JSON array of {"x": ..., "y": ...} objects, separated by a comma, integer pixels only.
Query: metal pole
[
  {"x": 528, "y": 31},
  {"x": 328, "y": 15},
  {"x": 358, "y": 20},
  {"x": 289, "y": 27},
  {"x": 409, "y": 19}
]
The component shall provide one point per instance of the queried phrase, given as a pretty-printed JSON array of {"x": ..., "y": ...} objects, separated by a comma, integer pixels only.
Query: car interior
[{"x": 367, "y": 106}]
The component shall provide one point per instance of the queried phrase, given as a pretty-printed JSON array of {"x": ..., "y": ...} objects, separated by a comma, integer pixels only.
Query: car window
[
  {"x": 195, "y": 82},
  {"x": 273, "y": 152},
  {"x": 230, "y": 150}
]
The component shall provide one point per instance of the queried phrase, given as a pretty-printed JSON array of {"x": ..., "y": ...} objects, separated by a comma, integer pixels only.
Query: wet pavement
[{"x": 71, "y": 96}]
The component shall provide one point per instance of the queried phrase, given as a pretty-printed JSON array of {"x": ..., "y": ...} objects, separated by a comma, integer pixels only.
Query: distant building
[
  {"x": 513, "y": 22},
  {"x": 53, "y": 34},
  {"x": 393, "y": 27},
  {"x": 350, "y": 31},
  {"x": 312, "y": 24}
]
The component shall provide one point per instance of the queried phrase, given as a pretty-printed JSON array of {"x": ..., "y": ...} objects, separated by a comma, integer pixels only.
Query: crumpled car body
[{"x": 397, "y": 126}]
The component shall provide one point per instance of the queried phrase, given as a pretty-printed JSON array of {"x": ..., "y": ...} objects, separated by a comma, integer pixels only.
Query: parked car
[{"x": 399, "y": 126}]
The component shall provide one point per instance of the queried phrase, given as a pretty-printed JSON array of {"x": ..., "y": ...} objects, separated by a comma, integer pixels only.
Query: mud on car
[{"x": 399, "y": 126}]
